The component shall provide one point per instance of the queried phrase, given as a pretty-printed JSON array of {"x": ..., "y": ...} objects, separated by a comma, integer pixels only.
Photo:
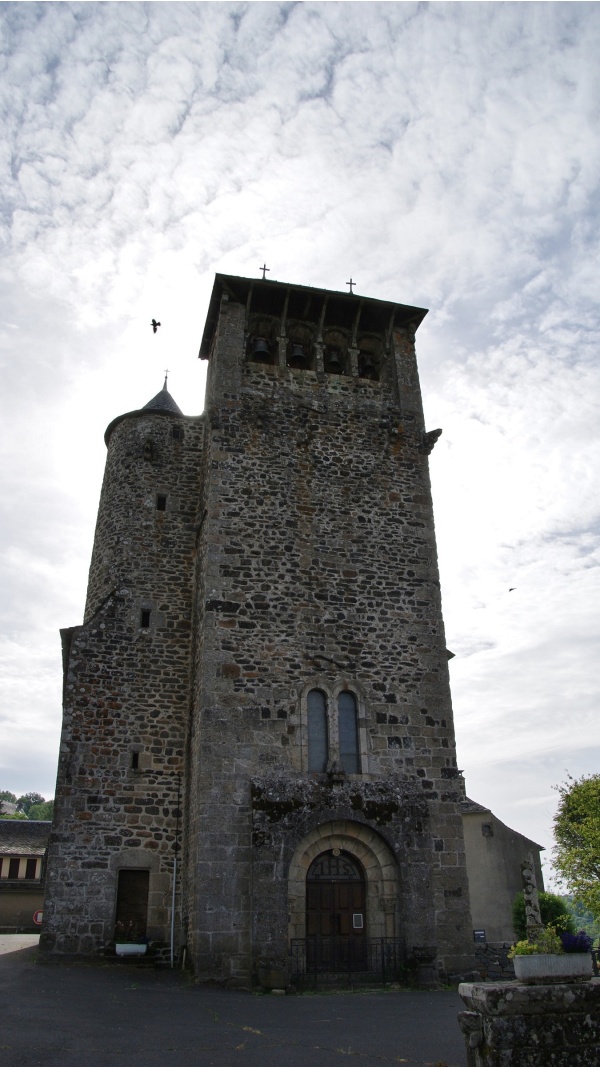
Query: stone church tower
[{"x": 258, "y": 754}]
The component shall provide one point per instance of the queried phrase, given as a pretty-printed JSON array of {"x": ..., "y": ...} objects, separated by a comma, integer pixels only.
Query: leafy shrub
[
  {"x": 553, "y": 909},
  {"x": 547, "y": 942}
]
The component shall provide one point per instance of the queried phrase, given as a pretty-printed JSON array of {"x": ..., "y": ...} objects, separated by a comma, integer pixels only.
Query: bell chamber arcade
[{"x": 258, "y": 728}]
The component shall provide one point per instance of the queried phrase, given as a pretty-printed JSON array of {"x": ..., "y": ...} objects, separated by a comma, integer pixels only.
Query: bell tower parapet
[{"x": 310, "y": 339}]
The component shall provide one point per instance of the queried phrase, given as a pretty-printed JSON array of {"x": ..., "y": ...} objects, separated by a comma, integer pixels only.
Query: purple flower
[{"x": 580, "y": 942}]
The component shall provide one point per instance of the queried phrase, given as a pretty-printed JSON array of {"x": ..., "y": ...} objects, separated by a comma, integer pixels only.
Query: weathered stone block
[{"x": 514, "y": 1025}]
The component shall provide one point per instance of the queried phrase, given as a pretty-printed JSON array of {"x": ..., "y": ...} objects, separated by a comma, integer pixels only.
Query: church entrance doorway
[{"x": 335, "y": 913}]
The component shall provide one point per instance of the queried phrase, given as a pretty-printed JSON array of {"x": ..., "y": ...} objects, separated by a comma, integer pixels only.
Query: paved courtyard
[{"x": 108, "y": 1015}]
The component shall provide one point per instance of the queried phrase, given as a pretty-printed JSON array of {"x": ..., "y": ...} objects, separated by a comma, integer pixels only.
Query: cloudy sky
[{"x": 442, "y": 154}]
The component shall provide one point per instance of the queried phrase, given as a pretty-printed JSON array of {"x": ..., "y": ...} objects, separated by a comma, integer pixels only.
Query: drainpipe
[
  {"x": 173, "y": 910},
  {"x": 175, "y": 851}
]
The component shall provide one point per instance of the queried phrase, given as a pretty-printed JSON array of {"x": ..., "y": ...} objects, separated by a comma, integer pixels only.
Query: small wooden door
[
  {"x": 335, "y": 912},
  {"x": 132, "y": 902}
]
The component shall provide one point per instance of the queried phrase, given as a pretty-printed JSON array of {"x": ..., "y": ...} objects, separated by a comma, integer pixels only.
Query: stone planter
[
  {"x": 541, "y": 967},
  {"x": 128, "y": 949}
]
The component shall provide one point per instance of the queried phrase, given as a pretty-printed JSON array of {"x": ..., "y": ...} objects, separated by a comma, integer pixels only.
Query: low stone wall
[
  {"x": 515, "y": 1025},
  {"x": 492, "y": 962}
]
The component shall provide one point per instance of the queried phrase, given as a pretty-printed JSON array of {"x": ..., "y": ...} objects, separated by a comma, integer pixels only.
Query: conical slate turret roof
[
  {"x": 162, "y": 404},
  {"x": 163, "y": 401}
]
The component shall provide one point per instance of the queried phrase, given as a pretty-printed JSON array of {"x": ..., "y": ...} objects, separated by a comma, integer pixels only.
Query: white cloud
[{"x": 445, "y": 155}]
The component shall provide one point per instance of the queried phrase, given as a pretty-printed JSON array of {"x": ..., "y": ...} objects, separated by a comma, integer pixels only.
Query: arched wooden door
[{"x": 335, "y": 913}]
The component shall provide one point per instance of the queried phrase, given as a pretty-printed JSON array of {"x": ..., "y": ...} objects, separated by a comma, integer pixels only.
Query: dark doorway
[
  {"x": 336, "y": 913},
  {"x": 132, "y": 902}
]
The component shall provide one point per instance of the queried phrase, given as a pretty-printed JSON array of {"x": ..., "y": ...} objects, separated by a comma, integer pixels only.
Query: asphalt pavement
[{"x": 124, "y": 1015}]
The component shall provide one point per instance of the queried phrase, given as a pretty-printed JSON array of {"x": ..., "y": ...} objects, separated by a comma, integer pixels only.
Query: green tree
[
  {"x": 5, "y": 794},
  {"x": 26, "y": 802},
  {"x": 583, "y": 918},
  {"x": 554, "y": 911},
  {"x": 41, "y": 811},
  {"x": 577, "y": 836}
]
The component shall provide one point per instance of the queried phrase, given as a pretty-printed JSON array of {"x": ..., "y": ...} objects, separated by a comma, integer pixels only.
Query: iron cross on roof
[
  {"x": 264, "y": 269},
  {"x": 351, "y": 284}
]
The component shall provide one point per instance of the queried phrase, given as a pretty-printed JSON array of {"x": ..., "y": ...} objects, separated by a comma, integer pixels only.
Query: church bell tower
[
  {"x": 322, "y": 734},
  {"x": 257, "y": 759}
]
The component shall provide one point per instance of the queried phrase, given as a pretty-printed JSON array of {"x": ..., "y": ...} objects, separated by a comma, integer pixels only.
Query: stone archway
[{"x": 377, "y": 861}]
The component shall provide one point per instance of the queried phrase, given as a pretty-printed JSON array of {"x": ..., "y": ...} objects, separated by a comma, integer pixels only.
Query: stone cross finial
[
  {"x": 533, "y": 918},
  {"x": 264, "y": 269},
  {"x": 351, "y": 284}
]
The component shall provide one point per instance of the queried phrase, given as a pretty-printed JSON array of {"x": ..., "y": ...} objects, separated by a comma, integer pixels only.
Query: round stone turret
[
  {"x": 153, "y": 452},
  {"x": 161, "y": 404}
]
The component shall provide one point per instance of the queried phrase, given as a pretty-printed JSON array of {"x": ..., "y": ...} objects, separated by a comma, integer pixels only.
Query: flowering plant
[
  {"x": 130, "y": 934},
  {"x": 580, "y": 942},
  {"x": 547, "y": 942}
]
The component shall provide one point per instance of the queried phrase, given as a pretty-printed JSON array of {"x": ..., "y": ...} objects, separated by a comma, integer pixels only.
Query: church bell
[
  {"x": 298, "y": 357},
  {"x": 260, "y": 351},
  {"x": 333, "y": 362}
]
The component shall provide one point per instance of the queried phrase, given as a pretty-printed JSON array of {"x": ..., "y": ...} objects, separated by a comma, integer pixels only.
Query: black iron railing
[{"x": 346, "y": 960}]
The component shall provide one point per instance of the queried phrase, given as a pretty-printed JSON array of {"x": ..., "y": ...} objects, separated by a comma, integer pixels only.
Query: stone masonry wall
[
  {"x": 319, "y": 570},
  {"x": 127, "y": 687}
]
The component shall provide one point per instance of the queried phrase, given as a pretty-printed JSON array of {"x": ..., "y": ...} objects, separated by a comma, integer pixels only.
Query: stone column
[{"x": 533, "y": 917}]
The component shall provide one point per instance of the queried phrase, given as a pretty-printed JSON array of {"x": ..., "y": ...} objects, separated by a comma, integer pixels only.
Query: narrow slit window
[
  {"x": 348, "y": 732},
  {"x": 317, "y": 731},
  {"x": 145, "y": 614},
  {"x": 161, "y": 502},
  {"x": 177, "y": 433},
  {"x": 135, "y": 761}
]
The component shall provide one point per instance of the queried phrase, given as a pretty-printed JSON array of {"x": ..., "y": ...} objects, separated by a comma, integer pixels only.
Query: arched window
[
  {"x": 348, "y": 732},
  {"x": 332, "y": 732},
  {"x": 317, "y": 731}
]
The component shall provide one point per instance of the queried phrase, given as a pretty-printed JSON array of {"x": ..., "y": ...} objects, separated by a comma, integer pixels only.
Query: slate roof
[
  {"x": 24, "y": 837},
  {"x": 163, "y": 401},
  {"x": 270, "y": 297},
  {"x": 471, "y": 807},
  {"x": 162, "y": 404}
]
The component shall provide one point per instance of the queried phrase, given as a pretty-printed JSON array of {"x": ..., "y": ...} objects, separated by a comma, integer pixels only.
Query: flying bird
[
  {"x": 154, "y": 324},
  {"x": 512, "y": 588}
]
